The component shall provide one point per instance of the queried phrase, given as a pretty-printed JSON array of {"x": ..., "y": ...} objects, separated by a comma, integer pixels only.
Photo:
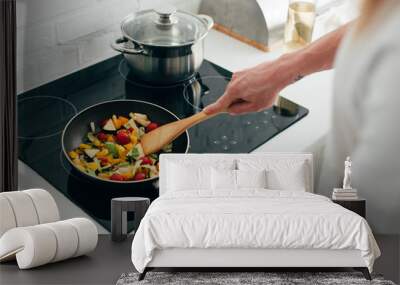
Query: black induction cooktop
[{"x": 44, "y": 111}]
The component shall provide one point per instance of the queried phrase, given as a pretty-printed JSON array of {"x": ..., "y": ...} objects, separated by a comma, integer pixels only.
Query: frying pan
[{"x": 78, "y": 127}]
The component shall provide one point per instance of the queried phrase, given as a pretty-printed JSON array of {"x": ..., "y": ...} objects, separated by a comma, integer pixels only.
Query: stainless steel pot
[{"x": 163, "y": 46}]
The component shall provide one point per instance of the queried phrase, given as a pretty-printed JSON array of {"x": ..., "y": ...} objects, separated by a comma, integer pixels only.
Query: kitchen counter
[{"x": 313, "y": 92}]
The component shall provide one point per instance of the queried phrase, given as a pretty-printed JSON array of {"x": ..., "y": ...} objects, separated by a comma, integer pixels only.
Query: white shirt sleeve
[{"x": 376, "y": 157}]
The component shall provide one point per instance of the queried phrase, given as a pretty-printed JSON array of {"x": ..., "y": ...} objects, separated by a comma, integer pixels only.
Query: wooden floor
[
  {"x": 110, "y": 260},
  {"x": 389, "y": 262},
  {"x": 103, "y": 266}
]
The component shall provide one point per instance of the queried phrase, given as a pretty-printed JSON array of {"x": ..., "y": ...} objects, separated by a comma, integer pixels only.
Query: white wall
[{"x": 57, "y": 37}]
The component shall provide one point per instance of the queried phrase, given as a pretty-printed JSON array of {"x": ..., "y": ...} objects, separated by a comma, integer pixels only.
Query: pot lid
[{"x": 165, "y": 27}]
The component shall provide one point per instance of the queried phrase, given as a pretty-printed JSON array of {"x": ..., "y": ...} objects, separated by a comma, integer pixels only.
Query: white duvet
[{"x": 250, "y": 219}]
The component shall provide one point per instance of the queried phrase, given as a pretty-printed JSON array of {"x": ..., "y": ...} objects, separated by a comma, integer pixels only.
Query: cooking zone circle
[{"x": 58, "y": 112}]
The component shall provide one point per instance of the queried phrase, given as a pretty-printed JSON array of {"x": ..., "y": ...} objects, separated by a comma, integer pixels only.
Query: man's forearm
[{"x": 318, "y": 56}]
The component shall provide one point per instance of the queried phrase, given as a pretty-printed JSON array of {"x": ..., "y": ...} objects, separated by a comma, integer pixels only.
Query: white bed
[{"x": 248, "y": 227}]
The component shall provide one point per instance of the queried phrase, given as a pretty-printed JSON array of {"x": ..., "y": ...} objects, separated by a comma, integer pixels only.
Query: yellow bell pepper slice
[
  {"x": 97, "y": 142},
  {"x": 92, "y": 165},
  {"x": 84, "y": 146},
  {"x": 128, "y": 146},
  {"x": 121, "y": 150},
  {"x": 72, "y": 154},
  {"x": 102, "y": 153},
  {"x": 134, "y": 139},
  {"x": 77, "y": 162},
  {"x": 115, "y": 160},
  {"x": 123, "y": 120}
]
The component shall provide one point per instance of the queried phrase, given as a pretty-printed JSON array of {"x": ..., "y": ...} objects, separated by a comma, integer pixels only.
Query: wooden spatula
[{"x": 156, "y": 139}]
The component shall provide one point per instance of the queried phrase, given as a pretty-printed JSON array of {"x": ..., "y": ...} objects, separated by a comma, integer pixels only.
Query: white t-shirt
[{"x": 366, "y": 120}]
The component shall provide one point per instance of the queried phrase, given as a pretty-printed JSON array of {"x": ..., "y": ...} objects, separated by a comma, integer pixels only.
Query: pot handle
[
  {"x": 208, "y": 20},
  {"x": 120, "y": 45}
]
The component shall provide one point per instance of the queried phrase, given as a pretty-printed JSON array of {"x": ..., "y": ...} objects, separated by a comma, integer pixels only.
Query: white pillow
[
  {"x": 223, "y": 179},
  {"x": 293, "y": 179},
  {"x": 251, "y": 178},
  {"x": 226, "y": 179},
  {"x": 188, "y": 174},
  {"x": 182, "y": 177},
  {"x": 282, "y": 174}
]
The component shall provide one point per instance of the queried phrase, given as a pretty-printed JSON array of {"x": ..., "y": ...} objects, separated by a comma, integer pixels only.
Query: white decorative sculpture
[
  {"x": 31, "y": 231},
  {"x": 347, "y": 174},
  {"x": 347, "y": 192}
]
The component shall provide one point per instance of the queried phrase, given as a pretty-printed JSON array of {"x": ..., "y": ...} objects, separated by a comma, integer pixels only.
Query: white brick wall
[{"x": 57, "y": 37}]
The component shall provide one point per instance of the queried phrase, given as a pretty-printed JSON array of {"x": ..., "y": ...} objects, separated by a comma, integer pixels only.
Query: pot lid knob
[{"x": 165, "y": 13}]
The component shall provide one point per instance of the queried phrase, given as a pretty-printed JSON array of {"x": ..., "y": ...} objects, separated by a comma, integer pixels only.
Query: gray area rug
[{"x": 268, "y": 278}]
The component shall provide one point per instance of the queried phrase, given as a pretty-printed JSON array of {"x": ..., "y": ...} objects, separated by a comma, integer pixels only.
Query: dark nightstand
[{"x": 358, "y": 206}]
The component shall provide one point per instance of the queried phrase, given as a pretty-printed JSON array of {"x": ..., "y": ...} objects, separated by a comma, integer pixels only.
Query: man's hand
[{"x": 253, "y": 89}]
